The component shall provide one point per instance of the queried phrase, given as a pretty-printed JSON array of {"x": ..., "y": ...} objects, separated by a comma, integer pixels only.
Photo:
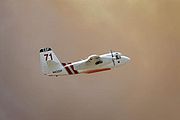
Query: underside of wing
[
  {"x": 93, "y": 59},
  {"x": 90, "y": 62}
]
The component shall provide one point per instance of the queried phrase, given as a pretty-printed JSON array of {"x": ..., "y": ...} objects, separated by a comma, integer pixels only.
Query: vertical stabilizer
[{"x": 49, "y": 62}]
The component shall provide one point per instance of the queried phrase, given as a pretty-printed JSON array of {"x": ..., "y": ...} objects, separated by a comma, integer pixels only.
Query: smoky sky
[{"x": 147, "y": 88}]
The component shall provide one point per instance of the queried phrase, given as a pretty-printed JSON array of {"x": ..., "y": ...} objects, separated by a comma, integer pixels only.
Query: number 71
[{"x": 47, "y": 55}]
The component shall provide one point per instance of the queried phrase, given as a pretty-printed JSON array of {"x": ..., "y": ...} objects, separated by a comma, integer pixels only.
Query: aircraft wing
[{"x": 91, "y": 61}]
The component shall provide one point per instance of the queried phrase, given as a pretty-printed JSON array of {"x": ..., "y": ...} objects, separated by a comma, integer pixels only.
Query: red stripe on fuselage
[
  {"x": 75, "y": 71},
  {"x": 67, "y": 69},
  {"x": 97, "y": 70}
]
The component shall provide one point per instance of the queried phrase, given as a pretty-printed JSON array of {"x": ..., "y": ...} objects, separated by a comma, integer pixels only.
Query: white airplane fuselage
[{"x": 94, "y": 63}]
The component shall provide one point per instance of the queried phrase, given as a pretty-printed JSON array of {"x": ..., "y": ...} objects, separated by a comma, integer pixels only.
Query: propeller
[{"x": 112, "y": 57}]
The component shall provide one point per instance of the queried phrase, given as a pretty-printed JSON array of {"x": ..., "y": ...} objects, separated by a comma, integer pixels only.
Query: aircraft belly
[{"x": 95, "y": 70}]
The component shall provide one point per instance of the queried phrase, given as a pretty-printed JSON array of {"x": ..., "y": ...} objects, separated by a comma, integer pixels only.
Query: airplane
[{"x": 51, "y": 66}]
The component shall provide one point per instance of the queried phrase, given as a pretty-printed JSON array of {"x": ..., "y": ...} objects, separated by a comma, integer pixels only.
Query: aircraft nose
[{"x": 125, "y": 59}]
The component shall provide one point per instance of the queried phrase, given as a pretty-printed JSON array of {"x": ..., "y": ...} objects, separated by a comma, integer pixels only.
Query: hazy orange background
[{"x": 147, "y": 31}]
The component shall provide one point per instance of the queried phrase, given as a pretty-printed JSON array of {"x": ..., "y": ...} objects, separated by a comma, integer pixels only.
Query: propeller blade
[
  {"x": 112, "y": 53},
  {"x": 112, "y": 57}
]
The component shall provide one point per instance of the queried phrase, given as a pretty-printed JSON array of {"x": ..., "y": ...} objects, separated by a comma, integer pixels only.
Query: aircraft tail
[{"x": 49, "y": 62}]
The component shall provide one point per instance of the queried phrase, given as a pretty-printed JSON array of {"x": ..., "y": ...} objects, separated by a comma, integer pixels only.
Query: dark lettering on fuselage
[{"x": 57, "y": 71}]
